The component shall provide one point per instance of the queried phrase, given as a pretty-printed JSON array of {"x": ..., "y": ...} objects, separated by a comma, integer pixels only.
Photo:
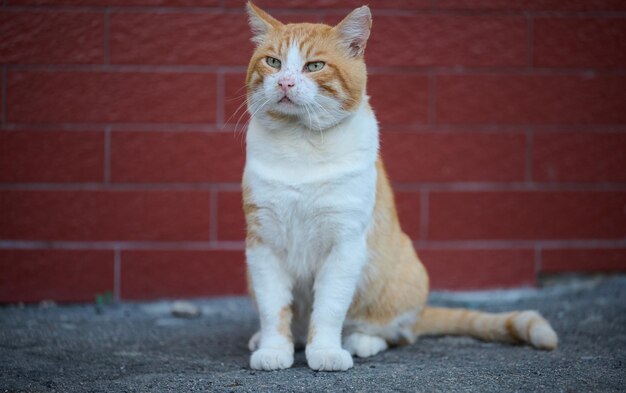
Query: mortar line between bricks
[
  {"x": 424, "y": 214},
  {"x": 219, "y": 102},
  {"x": 117, "y": 187},
  {"x": 129, "y": 127},
  {"x": 121, "y": 245},
  {"x": 531, "y": 40},
  {"x": 117, "y": 275},
  {"x": 529, "y": 244},
  {"x": 107, "y": 155},
  {"x": 512, "y": 187},
  {"x": 213, "y": 212},
  {"x": 240, "y": 245},
  {"x": 500, "y": 128},
  {"x": 135, "y": 68},
  {"x": 530, "y": 141},
  {"x": 386, "y": 127},
  {"x": 416, "y": 187},
  {"x": 106, "y": 36}
]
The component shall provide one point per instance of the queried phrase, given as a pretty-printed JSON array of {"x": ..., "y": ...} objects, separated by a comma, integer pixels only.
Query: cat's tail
[{"x": 518, "y": 326}]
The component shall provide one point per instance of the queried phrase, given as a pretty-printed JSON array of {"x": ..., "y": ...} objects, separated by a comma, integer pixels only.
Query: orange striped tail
[{"x": 515, "y": 327}]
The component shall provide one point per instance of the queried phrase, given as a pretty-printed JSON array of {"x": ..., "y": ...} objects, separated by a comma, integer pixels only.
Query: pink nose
[{"x": 286, "y": 83}]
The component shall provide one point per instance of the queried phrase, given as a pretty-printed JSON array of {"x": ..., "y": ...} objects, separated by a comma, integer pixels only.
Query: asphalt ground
[{"x": 142, "y": 347}]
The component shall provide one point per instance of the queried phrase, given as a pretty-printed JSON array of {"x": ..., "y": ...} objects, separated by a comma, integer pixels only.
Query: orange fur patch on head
[{"x": 344, "y": 76}]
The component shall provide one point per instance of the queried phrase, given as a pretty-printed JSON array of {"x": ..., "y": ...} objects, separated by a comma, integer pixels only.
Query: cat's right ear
[
  {"x": 354, "y": 30},
  {"x": 260, "y": 22}
]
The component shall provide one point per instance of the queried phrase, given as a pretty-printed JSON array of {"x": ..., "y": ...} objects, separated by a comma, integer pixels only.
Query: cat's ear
[
  {"x": 354, "y": 30},
  {"x": 260, "y": 22}
]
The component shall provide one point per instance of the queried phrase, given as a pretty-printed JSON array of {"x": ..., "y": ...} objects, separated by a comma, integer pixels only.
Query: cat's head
[{"x": 310, "y": 74}]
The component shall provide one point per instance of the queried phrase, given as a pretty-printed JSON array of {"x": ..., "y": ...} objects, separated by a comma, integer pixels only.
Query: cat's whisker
[
  {"x": 237, "y": 97},
  {"x": 319, "y": 124},
  {"x": 306, "y": 108},
  {"x": 251, "y": 106},
  {"x": 241, "y": 88},
  {"x": 243, "y": 128},
  {"x": 318, "y": 105},
  {"x": 260, "y": 107},
  {"x": 241, "y": 106}
]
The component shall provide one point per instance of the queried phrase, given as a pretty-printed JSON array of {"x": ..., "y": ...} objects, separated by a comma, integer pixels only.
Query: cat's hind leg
[
  {"x": 364, "y": 345},
  {"x": 255, "y": 341}
]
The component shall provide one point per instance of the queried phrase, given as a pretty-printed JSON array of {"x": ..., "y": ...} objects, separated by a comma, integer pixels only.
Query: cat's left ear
[
  {"x": 354, "y": 30},
  {"x": 260, "y": 22}
]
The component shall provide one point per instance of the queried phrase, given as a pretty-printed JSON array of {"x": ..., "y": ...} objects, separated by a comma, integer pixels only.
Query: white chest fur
[{"x": 313, "y": 191}]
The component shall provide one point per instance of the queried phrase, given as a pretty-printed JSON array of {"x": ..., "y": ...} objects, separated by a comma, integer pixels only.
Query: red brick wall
[{"x": 504, "y": 131}]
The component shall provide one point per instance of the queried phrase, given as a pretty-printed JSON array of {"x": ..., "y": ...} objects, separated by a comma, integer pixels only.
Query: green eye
[
  {"x": 272, "y": 62},
  {"x": 315, "y": 66}
]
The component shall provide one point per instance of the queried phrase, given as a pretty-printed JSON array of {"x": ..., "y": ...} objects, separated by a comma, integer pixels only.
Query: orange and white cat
[{"x": 328, "y": 264}]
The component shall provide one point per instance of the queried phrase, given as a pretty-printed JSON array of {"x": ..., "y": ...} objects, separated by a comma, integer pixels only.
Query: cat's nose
[{"x": 286, "y": 83}]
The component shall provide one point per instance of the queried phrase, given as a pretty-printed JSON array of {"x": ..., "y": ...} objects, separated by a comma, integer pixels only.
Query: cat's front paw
[
  {"x": 329, "y": 359},
  {"x": 271, "y": 359}
]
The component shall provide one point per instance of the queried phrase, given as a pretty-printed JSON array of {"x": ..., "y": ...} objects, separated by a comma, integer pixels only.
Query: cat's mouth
[{"x": 286, "y": 100}]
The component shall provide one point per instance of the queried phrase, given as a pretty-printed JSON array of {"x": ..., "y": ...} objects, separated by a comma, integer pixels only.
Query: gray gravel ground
[{"x": 140, "y": 347}]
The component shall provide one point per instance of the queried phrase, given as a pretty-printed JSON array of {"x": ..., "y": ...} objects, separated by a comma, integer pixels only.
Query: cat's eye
[
  {"x": 272, "y": 62},
  {"x": 315, "y": 66}
]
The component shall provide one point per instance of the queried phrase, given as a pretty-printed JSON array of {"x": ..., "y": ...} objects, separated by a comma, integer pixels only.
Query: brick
[
  {"x": 527, "y": 215},
  {"x": 231, "y": 223},
  {"x": 580, "y": 42},
  {"x": 105, "y": 215},
  {"x": 66, "y": 97},
  {"x": 59, "y": 275},
  {"x": 32, "y": 37},
  {"x": 448, "y": 40},
  {"x": 534, "y": 99},
  {"x": 181, "y": 273},
  {"x": 179, "y": 38},
  {"x": 535, "y": 5},
  {"x": 454, "y": 156},
  {"x": 579, "y": 157},
  {"x": 51, "y": 156},
  {"x": 399, "y": 98},
  {"x": 478, "y": 269},
  {"x": 178, "y": 157},
  {"x": 408, "y": 205},
  {"x": 583, "y": 260},
  {"x": 185, "y": 38}
]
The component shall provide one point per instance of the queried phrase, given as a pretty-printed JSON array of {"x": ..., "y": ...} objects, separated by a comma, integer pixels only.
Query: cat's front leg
[
  {"x": 272, "y": 288},
  {"x": 335, "y": 285}
]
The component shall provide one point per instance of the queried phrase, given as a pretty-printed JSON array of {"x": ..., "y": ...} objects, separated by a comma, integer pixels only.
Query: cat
[{"x": 329, "y": 267}]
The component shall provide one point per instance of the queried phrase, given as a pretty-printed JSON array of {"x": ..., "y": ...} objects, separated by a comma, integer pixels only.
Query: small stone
[
  {"x": 47, "y": 304},
  {"x": 185, "y": 310}
]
